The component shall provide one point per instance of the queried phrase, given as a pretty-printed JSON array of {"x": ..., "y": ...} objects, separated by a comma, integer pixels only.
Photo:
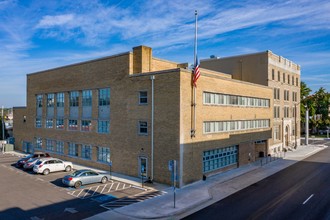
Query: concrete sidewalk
[{"x": 198, "y": 195}]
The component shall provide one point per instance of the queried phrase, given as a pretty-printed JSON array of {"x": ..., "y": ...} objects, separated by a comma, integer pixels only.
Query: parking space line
[
  {"x": 110, "y": 187},
  {"x": 117, "y": 186},
  {"x": 103, "y": 188}
]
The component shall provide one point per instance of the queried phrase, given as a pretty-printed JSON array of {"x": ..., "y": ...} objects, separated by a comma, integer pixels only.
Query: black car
[{"x": 22, "y": 161}]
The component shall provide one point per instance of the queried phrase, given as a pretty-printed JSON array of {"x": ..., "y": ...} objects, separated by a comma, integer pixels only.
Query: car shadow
[{"x": 58, "y": 183}]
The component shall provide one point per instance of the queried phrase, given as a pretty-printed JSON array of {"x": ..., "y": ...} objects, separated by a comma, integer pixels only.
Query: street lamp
[{"x": 307, "y": 126}]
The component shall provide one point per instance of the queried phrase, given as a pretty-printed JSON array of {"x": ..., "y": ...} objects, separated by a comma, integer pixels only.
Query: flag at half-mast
[{"x": 196, "y": 72}]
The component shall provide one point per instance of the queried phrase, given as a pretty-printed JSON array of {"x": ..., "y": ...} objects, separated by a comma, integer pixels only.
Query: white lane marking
[
  {"x": 110, "y": 187},
  {"x": 308, "y": 199}
]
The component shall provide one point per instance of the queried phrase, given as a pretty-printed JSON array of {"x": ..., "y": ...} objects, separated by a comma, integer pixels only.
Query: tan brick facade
[
  {"x": 278, "y": 73},
  {"x": 127, "y": 75}
]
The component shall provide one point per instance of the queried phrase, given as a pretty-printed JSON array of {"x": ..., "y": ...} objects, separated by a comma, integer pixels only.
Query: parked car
[
  {"x": 48, "y": 165},
  {"x": 22, "y": 161},
  {"x": 83, "y": 177},
  {"x": 29, "y": 164}
]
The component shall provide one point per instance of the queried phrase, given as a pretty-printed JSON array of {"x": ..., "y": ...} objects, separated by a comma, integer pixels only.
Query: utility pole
[
  {"x": 3, "y": 125},
  {"x": 307, "y": 126}
]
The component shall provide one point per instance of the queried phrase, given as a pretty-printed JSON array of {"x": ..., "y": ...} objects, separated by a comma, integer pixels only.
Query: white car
[{"x": 48, "y": 165}]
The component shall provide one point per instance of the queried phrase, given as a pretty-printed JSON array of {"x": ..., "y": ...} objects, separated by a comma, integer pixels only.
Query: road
[{"x": 301, "y": 191}]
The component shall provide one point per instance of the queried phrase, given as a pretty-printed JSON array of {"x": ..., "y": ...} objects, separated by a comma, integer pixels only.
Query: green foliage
[{"x": 318, "y": 106}]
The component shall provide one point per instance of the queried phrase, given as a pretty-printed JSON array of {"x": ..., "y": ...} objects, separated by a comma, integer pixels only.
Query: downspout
[{"x": 152, "y": 78}]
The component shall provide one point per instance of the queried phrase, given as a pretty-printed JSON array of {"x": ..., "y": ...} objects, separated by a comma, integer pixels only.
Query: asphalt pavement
[
  {"x": 201, "y": 194},
  {"x": 198, "y": 195}
]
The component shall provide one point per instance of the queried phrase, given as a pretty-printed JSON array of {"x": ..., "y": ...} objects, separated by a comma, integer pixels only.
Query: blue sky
[{"x": 38, "y": 35}]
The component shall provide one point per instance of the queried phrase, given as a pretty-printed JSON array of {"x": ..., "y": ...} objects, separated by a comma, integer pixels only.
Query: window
[
  {"x": 276, "y": 133},
  {"x": 284, "y": 77},
  {"x": 143, "y": 127},
  {"x": 276, "y": 111},
  {"x": 273, "y": 74},
  {"x": 60, "y": 147},
  {"x": 49, "y": 123},
  {"x": 59, "y": 123},
  {"x": 60, "y": 99},
  {"x": 279, "y": 76},
  {"x": 38, "y": 143},
  {"x": 103, "y": 154},
  {"x": 39, "y": 101},
  {"x": 219, "y": 158},
  {"x": 103, "y": 127},
  {"x": 286, "y": 95},
  {"x": 223, "y": 99},
  {"x": 50, "y": 100},
  {"x": 87, "y": 97},
  {"x": 228, "y": 126},
  {"x": 74, "y": 98},
  {"x": 293, "y": 80},
  {"x": 50, "y": 145},
  {"x": 104, "y": 97},
  {"x": 73, "y": 125},
  {"x": 86, "y": 125},
  {"x": 143, "y": 97},
  {"x": 86, "y": 152},
  {"x": 296, "y": 81},
  {"x": 288, "y": 79},
  {"x": 38, "y": 123},
  {"x": 286, "y": 112},
  {"x": 73, "y": 149}
]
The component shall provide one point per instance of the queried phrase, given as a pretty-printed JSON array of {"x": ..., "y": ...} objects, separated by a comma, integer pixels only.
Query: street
[{"x": 300, "y": 191}]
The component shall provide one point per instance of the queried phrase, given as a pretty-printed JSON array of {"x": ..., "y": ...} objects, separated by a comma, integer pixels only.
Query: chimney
[{"x": 142, "y": 59}]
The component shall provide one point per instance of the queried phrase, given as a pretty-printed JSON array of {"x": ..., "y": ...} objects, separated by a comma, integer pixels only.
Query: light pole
[
  {"x": 295, "y": 125},
  {"x": 307, "y": 126},
  {"x": 3, "y": 127}
]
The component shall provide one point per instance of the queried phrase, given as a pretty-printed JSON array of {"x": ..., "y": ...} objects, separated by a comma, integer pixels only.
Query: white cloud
[{"x": 57, "y": 20}]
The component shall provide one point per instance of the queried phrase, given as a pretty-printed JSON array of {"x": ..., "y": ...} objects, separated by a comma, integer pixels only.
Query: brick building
[
  {"x": 279, "y": 74},
  {"x": 135, "y": 110}
]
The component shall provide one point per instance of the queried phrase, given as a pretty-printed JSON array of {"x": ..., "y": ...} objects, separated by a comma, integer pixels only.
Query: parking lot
[{"x": 26, "y": 195}]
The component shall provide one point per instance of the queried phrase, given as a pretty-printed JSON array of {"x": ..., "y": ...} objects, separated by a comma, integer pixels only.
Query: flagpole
[{"x": 194, "y": 86}]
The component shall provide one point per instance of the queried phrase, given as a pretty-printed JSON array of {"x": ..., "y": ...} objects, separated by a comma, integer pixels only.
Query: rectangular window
[
  {"x": 103, "y": 154},
  {"x": 50, "y": 100},
  {"x": 293, "y": 80},
  {"x": 143, "y": 97},
  {"x": 59, "y": 124},
  {"x": 50, "y": 145},
  {"x": 296, "y": 81},
  {"x": 143, "y": 127},
  {"x": 49, "y": 123},
  {"x": 74, "y": 98},
  {"x": 288, "y": 79},
  {"x": 73, "y": 125},
  {"x": 38, "y": 143},
  {"x": 60, "y": 147},
  {"x": 104, "y": 97},
  {"x": 103, "y": 127},
  {"x": 86, "y": 152},
  {"x": 219, "y": 158},
  {"x": 284, "y": 77},
  {"x": 279, "y": 76},
  {"x": 87, "y": 97},
  {"x": 86, "y": 125},
  {"x": 273, "y": 74},
  {"x": 39, "y": 101},
  {"x": 73, "y": 149},
  {"x": 38, "y": 123},
  {"x": 60, "y": 99}
]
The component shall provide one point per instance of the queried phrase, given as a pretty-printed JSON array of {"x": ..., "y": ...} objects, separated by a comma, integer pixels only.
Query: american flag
[{"x": 196, "y": 72}]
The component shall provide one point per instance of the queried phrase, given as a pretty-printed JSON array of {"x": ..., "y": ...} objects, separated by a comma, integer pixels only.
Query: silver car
[{"x": 83, "y": 177}]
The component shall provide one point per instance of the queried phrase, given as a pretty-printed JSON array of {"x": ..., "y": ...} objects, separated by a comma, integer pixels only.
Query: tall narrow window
[
  {"x": 87, "y": 97},
  {"x": 86, "y": 152},
  {"x": 39, "y": 101},
  {"x": 74, "y": 98},
  {"x": 50, "y": 100},
  {"x": 143, "y": 127},
  {"x": 104, "y": 97},
  {"x": 60, "y": 99},
  {"x": 273, "y": 74}
]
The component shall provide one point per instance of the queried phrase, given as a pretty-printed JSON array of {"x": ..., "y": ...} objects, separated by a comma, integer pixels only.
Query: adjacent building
[
  {"x": 279, "y": 74},
  {"x": 135, "y": 113}
]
